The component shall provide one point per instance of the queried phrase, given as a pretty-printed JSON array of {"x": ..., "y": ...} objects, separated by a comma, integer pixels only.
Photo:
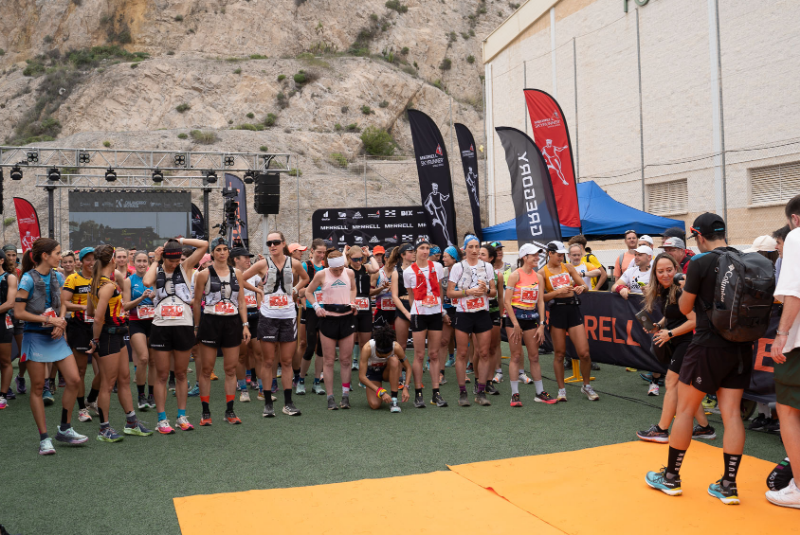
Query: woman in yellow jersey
[
  {"x": 563, "y": 285},
  {"x": 110, "y": 325},
  {"x": 524, "y": 323}
]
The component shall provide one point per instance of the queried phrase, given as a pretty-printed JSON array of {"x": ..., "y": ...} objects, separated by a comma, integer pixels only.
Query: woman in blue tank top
[{"x": 139, "y": 305}]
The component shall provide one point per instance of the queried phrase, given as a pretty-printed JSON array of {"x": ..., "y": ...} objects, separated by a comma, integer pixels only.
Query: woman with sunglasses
[
  {"x": 363, "y": 272},
  {"x": 277, "y": 324},
  {"x": 401, "y": 258},
  {"x": 221, "y": 324},
  {"x": 338, "y": 322},
  {"x": 172, "y": 333}
]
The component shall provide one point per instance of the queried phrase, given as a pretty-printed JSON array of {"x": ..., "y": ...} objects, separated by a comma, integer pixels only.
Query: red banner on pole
[
  {"x": 551, "y": 135},
  {"x": 28, "y": 222}
]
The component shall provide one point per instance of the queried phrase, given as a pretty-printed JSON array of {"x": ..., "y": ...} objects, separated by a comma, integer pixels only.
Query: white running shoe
[
  {"x": 653, "y": 389},
  {"x": 524, "y": 378},
  {"x": 93, "y": 407},
  {"x": 244, "y": 396},
  {"x": 498, "y": 377},
  {"x": 84, "y": 416},
  {"x": 786, "y": 497},
  {"x": 46, "y": 447},
  {"x": 562, "y": 395},
  {"x": 590, "y": 393}
]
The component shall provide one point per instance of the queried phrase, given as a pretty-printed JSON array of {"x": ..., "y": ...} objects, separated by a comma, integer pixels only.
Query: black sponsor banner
[
  {"x": 531, "y": 189},
  {"x": 387, "y": 226},
  {"x": 198, "y": 224},
  {"x": 762, "y": 381},
  {"x": 435, "y": 183},
  {"x": 240, "y": 229},
  {"x": 469, "y": 160},
  {"x": 138, "y": 201}
]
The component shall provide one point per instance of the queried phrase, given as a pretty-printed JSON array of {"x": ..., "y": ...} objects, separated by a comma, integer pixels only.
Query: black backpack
[
  {"x": 606, "y": 285},
  {"x": 743, "y": 295}
]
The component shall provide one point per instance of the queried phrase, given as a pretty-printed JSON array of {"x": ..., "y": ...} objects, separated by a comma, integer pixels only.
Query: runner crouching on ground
[{"x": 381, "y": 361}]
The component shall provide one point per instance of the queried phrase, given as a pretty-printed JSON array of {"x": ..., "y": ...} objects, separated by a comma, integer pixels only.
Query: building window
[
  {"x": 668, "y": 198},
  {"x": 775, "y": 184}
]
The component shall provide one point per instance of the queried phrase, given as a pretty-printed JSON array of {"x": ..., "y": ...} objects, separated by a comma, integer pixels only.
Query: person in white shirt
[
  {"x": 576, "y": 259},
  {"x": 786, "y": 355},
  {"x": 637, "y": 276}
]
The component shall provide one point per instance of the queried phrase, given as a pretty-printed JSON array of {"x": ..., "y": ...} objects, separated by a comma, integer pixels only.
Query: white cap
[
  {"x": 527, "y": 249},
  {"x": 556, "y": 246},
  {"x": 646, "y": 238},
  {"x": 766, "y": 244},
  {"x": 643, "y": 249}
]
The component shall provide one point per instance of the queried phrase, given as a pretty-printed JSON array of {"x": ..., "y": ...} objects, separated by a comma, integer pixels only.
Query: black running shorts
[
  {"x": 140, "y": 327},
  {"x": 426, "y": 322},
  {"x": 473, "y": 322},
  {"x": 337, "y": 327},
  {"x": 79, "y": 335},
  {"x": 277, "y": 330},
  {"x": 565, "y": 316},
  {"x": 384, "y": 317},
  {"x": 496, "y": 319},
  {"x": 710, "y": 368},
  {"x": 375, "y": 373},
  {"x": 172, "y": 338},
  {"x": 220, "y": 331},
  {"x": 524, "y": 325},
  {"x": 109, "y": 344},
  {"x": 364, "y": 321}
]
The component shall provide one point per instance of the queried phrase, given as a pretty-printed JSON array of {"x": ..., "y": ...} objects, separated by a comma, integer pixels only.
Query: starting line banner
[
  {"x": 616, "y": 337},
  {"x": 386, "y": 225}
]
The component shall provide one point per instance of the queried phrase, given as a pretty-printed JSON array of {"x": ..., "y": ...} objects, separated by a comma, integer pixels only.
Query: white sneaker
[
  {"x": 562, "y": 395},
  {"x": 84, "y": 416},
  {"x": 46, "y": 447},
  {"x": 244, "y": 396},
  {"x": 786, "y": 497},
  {"x": 260, "y": 395},
  {"x": 524, "y": 378},
  {"x": 498, "y": 377},
  {"x": 93, "y": 407},
  {"x": 590, "y": 393},
  {"x": 653, "y": 389}
]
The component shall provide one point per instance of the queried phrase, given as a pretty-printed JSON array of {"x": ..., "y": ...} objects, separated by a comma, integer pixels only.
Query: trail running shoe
[
  {"x": 301, "y": 388},
  {"x": 46, "y": 447},
  {"x": 480, "y": 399},
  {"x": 183, "y": 424},
  {"x": 214, "y": 376},
  {"x": 438, "y": 400},
  {"x": 524, "y": 378},
  {"x": 463, "y": 399},
  {"x": 231, "y": 418},
  {"x": 10, "y": 395},
  {"x": 151, "y": 401},
  {"x": 205, "y": 419},
  {"x": 260, "y": 396},
  {"x": 21, "y": 388},
  {"x": 332, "y": 403},
  {"x": 269, "y": 411},
  {"x": 171, "y": 385},
  {"x": 290, "y": 410},
  {"x": 164, "y": 428},
  {"x": 194, "y": 392},
  {"x": 442, "y": 378},
  {"x": 108, "y": 434},
  {"x": 652, "y": 390},
  {"x": 143, "y": 402},
  {"x": 567, "y": 363},
  {"x": 759, "y": 423},
  {"x": 84, "y": 416},
  {"x": 274, "y": 388},
  {"x": 279, "y": 372},
  {"x": 654, "y": 434},
  {"x": 48, "y": 398},
  {"x": 660, "y": 481},
  {"x": 705, "y": 433},
  {"x": 345, "y": 404},
  {"x": 545, "y": 398},
  {"x": 498, "y": 377},
  {"x": 788, "y": 496},
  {"x": 244, "y": 396},
  {"x": 469, "y": 369},
  {"x": 515, "y": 402},
  {"x": 71, "y": 437},
  {"x": 354, "y": 365},
  {"x": 475, "y": 389},
  {"x": 451, "y": 361},
  {"x": 395, "y": 407},
  {"x": 595, "y": 366},
  {"x": 562, "y": 395},
  {"x": 773, "y": 427},
  {"x": 61, "y": 381},
  {"x": 92, "y": 406},
  {"x": 419, "y": 402},
  {"x": 590, "y": 393},
  {"x": 137, "y": 430},
  {"x": 491, "y": 390},
  {"x": 318, "y": 388},
  {"x": 253, "y": 385},
  {"x": 3, "y": 403},
  {"x": 728, "y": 495}
]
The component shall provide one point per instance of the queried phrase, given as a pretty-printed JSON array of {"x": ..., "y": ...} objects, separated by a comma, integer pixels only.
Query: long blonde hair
[
  {"x": 653, "y": 290},
  {"x": 103, "y": 255}
]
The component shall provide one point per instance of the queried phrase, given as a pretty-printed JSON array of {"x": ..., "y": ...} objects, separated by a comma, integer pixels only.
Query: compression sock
[
  {"x": 731, "y": 468},
  {"x": 481, "y": 387},
  {"x": 140, "y": 389},
  {"x": 92, "y": 397},
  {"x": 296, "y": 374},
  {"x": 316, "y": 381},
  {"x": 287, "y": 396},
  {"x": 204, "y": 400},
  {"x": 515, "y": 387},
  {"x": 64, "y": 416},
  {"x": 181, "y": 413},
  {"x": 162, "y": 416},
  {"x": 675, "y": 460},
  {"x": 394, "y": 395},
  {"x": 149, "y": 390},
  {"x": 102, "y": 416},
  {"x": 242, "y": 384},
  {"x": 345, "y": 388},
  {"x": 43, "y": 436},
  {"x": 229, "y": 402},
  {"x": 462, "y": 389},
  {"x": 81, "y": 403},
  {"x": 539, "y": 387},
  {"x": 417, "y": 392},
  {"x": 435, "y": 391}
]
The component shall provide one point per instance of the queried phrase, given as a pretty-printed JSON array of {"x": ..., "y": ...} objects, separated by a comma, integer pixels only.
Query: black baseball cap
[
  {"x": 240, "y": 251},
  {"x": 705, "y": 224},
  {"x": 406, "y": 247}
]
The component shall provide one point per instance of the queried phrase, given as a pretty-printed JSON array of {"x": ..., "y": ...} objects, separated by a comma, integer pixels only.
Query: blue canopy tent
[{"x": 602, "y": 217}]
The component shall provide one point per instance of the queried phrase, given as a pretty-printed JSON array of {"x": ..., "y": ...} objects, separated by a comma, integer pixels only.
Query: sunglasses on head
[{"x": 271, "y": 243}]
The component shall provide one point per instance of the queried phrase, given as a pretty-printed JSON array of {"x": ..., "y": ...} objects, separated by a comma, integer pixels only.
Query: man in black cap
[{"x": 712, "y": 365}]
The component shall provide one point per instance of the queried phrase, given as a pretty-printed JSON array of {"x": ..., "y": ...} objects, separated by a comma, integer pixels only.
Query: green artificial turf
[{"x": 128, "y": 487}]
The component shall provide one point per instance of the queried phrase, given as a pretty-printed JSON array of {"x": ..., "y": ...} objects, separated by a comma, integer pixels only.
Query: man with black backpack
[{"x": 731, "y": 295}]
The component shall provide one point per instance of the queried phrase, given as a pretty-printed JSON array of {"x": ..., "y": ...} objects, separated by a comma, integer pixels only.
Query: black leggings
[{"x": 312, "y": 340}]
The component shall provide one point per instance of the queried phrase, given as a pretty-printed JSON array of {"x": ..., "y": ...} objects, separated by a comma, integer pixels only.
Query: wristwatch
[
  {"x": 669, "y": 333},
  {"x": 246, "y": 324}
]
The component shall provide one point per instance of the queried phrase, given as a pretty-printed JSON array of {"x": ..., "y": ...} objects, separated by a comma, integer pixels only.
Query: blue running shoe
[
  {"x": 108, "y": 435},
  {"x": 20, "y": 383},
  {"x": 10, "y": 394},
  {"x": 728, "y": 495},
  {"x": 194, "y": 392},
  {"x": 659, "y": 480},
  {"x": 451, "y": 361},
  {"x": 48, "y": 398}
]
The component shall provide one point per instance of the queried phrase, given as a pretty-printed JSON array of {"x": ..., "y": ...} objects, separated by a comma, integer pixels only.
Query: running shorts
[
  {"x": 710, "y": 368},
  {"x": 140, "y": 327},
  {"x": 496, "y": 320},
  {"x": 172, "y": 338},
  {"x": 364, "y": 321},
  {"x": 473, "y": 322},
  {"x": 565, "y": 316},
  {"x": 109, "y": 344},
  {"x": 525, "y": 325},
  {"x": 220, "y": 331},
  {"x": 787, "y": 380},
  {"x": 277, "y": 329},
  {"x": 337, "y": 327},
  {"x": 375, "y": 373},
  {"x": 426, "y": 322}
]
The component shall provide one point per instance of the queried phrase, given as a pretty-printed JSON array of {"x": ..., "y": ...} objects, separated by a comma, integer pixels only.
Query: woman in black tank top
[
  {"x": 363, "y": 265},
  {"x": 401, "y": 258}
]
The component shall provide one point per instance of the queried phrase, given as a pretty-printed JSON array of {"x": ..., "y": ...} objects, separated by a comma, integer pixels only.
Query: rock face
[{"x": 323, "y": 71}]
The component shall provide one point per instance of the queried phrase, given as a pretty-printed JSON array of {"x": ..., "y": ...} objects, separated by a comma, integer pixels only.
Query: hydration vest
[
  {"x": 179, "y": 287},
  {"x": 38, "y": 298},
  {"x": 420, "y": 288},
  {"x": 215, "y": 286},
  {"x": 274, "y": 282}
]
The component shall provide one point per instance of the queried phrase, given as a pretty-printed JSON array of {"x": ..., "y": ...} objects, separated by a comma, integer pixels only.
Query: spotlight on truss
[
  {"x": 229, "y": 161},
  {"x": 180, "y": 160},
  {"x": 83, "y": 157},
  {"x": 33, "y": 156},
  {"x": 158, "y": 176},
  {"x": 111, "y": 175},
  {"x": 211, "y": 176},
  {"x": 249, "y": 177},
  {"x": 54, "y": 175},
  {"x": 16, "y": 173}
]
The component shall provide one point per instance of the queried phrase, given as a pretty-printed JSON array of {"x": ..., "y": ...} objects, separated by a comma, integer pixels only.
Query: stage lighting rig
[
  {"x": 180, "y": 160},
  {"x": 158, "y": 176},
  {"x": 83, "y": 157},
  {"x": 54, "y": 175},
  {"x": 16, "y": 172},
  {"x": 33, "y": 156},
  {"x": 211, "y": 176},
  {"x": 111, "y": 175},
  {"x": 229, "y": 161},
  {"x": 249, "y": 177}
]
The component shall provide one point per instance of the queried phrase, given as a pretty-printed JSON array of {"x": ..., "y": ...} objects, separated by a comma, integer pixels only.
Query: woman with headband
[
  {"x": 470, "y": 286},
  {"x": 337, "y": 326}
]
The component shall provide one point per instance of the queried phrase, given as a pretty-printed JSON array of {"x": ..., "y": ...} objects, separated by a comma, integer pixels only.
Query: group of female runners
[{"x": 254, "y": 315}]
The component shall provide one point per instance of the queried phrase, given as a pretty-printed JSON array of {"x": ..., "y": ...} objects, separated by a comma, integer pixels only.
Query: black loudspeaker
[{"x": 268, "y": 193}]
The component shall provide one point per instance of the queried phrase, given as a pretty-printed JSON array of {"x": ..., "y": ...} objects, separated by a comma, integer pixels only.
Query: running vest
[
  {"x": 312, "y": 270},
  {"x": 421, "y": 288},
  {"x": 384, "y": 300},
  {"x": 286, "y": 280},
  {"x": 465, "y": 282},
  {"x": 445, "y": 278},
  {"x": 363, "y": 286},
  {"x": 222, "y": 295},
  {"x": 38, "y": 298},
  {"x": 374, "y": 361},
  {"x": 277, "y": 302},
  {"x": 146, "y": 305},
  {"x": 526, "y": 291},
  {"x": 401, "y": 284},
  {"x": 250, "y": 296},
  {"x": 176, "y": 287}
]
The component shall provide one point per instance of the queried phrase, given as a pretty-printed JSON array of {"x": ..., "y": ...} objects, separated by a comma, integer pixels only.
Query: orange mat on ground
[
  {"x": 602, "y": 490},
  {"x": 437, "y": 503}
]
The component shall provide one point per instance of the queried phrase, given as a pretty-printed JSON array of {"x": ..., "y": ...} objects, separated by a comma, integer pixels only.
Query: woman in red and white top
[
  {"x": 338, "y": 325},
  {"x": 421, "y": 279},
  {"x": 470, "y": 286}
]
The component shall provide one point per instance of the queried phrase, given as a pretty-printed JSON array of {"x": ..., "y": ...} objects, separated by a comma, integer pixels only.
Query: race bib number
[
  {"x": 145, "y": 312},
  {"x": 529, "y": 296},
  {"x": 387, "y": 304},
  {"x": 279, "y": 301},
  {"x": 476, "y": 303},
  {"x": 88, "y": 319},
  {"x": 362, "y": 303},
  {"x": 251, "y": 301},
  {"x": 318, "y": 297},
  {"x": 560, "y": 280},
  {"x": 49, "y": 313},
  {"x": 224, "y": 309},
  {"x": 9, "y": 323},
  {"x": 172, "y": 312},
  {"x": 430, "y": 301}
]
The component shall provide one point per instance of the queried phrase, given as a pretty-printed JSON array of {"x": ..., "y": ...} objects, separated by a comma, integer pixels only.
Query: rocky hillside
[{"x": 302, "y": 76}]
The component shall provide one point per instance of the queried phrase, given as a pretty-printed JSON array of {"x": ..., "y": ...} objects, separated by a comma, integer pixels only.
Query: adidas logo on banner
[
  {"x": 374, "y": 239},
  {"x": 357, "y": 215}
]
